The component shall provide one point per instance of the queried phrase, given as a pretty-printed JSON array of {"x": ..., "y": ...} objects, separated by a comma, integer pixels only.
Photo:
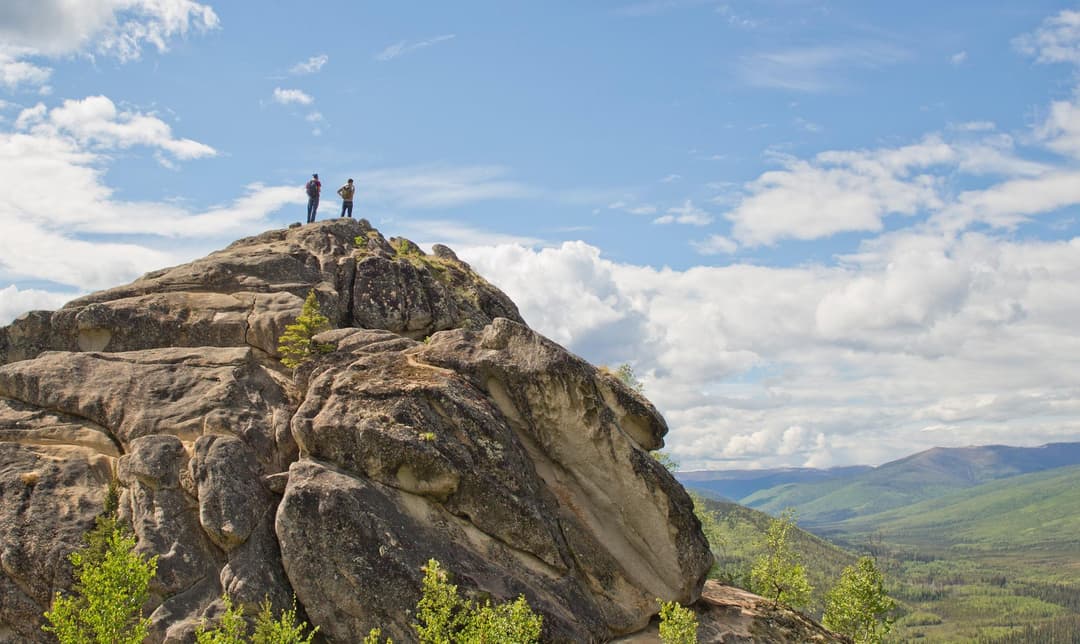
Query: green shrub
[
  {"x": 296, "y": 345},
  {"x": 233, "y": 628},
  {"x": 283, "y": 630},
  {"x": 678, "y": 624},
  {"x": 112, "y": 582},
  {"x": 443, "y": 617}
]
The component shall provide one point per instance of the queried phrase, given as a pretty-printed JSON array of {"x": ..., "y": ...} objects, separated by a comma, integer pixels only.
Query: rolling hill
[
  {"x": 927, "y": 475},
  {"x": 1036, "y": 510}
]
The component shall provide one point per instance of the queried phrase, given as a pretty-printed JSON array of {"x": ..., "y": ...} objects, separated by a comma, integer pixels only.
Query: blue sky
[{"x": 822, "y": 232}]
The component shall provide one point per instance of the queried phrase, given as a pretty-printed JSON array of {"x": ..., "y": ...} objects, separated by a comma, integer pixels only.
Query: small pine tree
[
  {"x": 777, "y": 574},
  {"x": 625, "y": 373},
  {"x": 678, "y": 624},
  {"x": 665, "y": 459},
  {"x": 858, "y": 605},
  {"x": 295, "y": 345},
  {"x": 112, "y": 584}
]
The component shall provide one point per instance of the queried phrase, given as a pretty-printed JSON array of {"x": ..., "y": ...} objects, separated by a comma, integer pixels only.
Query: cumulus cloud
[
  {"x": 311, "y": 65},
  {"x": 66, "y": 149},
  {"x": 95, "y": 121},
  {"x": 403, "y": 47},
  {"x": 1057, "y": 40},
  {"x": 292, "y": 97},
  {"x": 858, "y": 362},
  {"x": 15, "y": 73},
  {"x": 119, "y": 28},
  {"x": 839, "y": 191},
  {"x": 14, "y": 302}
]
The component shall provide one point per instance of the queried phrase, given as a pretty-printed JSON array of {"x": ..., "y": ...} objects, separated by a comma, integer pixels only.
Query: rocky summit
[{"x": 436, "y": 425}]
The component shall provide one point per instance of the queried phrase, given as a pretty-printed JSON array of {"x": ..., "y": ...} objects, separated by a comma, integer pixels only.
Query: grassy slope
[
  {"x": 1026, "y": 511},
  {"x": 926, "y": 475}
]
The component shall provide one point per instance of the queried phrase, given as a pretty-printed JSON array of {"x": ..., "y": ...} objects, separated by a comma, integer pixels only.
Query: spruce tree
[{"x": 296, "y": 345}]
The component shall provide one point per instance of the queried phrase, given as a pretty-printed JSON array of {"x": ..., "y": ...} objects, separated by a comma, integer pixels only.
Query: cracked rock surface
[{"x": 440, "y": 425}]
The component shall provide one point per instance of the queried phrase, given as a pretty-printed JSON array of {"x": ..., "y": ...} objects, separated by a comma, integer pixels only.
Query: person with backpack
[
  {"x": 346, "y": 192},
  {"x": 314, "y": 187}
]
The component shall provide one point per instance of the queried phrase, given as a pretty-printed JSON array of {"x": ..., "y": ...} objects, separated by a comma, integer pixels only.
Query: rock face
[
  {"x": 439, "y": 426},
  {"x": 729, "y": 615}
]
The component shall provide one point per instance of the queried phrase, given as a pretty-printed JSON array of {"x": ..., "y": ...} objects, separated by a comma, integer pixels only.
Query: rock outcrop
[
  {"x": 440, "y": 425},
  {"x": 728, "y": 615}
]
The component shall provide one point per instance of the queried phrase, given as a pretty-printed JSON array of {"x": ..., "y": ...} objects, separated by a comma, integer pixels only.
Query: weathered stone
[
  {"x": 729, "y": 615},
  {"x": 49, "y": 496},
  {"x": 247, "y": 293},
  {"x": 519, "y": 466}
]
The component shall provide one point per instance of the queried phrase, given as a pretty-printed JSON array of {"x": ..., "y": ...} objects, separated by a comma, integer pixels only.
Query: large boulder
[{"x": 438, "y": 425}]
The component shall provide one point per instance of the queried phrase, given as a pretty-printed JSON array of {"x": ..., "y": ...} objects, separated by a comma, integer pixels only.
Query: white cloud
[
  {"x": 959, "y": 58},
  {"x": 14, "y": 73},
  {"x": 458, "y": 235},
  {"x": 1057, "y": 40},
  {"x": 975, "y": 126},
  {"x": 637, "y": 209},
  {"x": 687, "y": 213},
  {"x": 14, "y": 302},
  {"x": 814, "y": 69},
  {"x": 671, "y": 178},
  {"x": 1060, "y": 131},
  {"x": 314, "y": 117},
  {"x": 292, "y": 96},
  {"x": 1010, "y": 203},
  {"x": 403, "y": 47},
  {"x": 95, "y": 121},
  {"x": 117, "y": 28},
  {"x": 438, "y": 186},
  {"x": 715, "y": 245},
  {"x": 838, "y": 191},
  {"x": 311, "y": 65},
  {"x": 826, "y": 365}
]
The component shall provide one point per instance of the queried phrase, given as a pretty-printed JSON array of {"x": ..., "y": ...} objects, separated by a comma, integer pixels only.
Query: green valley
[{"x": 979, "y": 545}]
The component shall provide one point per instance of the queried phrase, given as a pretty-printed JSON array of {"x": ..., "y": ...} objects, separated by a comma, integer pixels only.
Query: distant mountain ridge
[
  {"x": 1037, "y": 509},
  {"x": 736, "y": 484},
  {"x": 827, "y": 496}
]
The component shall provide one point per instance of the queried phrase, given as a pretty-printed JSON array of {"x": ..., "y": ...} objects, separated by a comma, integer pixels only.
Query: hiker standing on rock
[
  {"x": 314, "y": 187},
  {"x": 346, "y": 192}
]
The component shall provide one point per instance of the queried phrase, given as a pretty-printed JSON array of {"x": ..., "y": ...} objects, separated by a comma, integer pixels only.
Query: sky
[{"x": 821, "y": 232}]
